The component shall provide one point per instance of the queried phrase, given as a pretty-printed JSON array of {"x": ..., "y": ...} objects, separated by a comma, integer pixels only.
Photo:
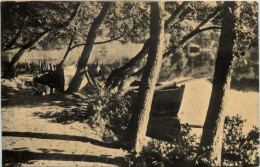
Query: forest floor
[{"x": 31, "y": 138}]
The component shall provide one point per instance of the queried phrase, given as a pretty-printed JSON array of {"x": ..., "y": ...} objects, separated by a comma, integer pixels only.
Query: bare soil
[{"x": 31, "y": 138}]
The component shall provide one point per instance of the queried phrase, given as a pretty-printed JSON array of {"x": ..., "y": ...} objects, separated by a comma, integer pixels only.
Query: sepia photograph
[{"x": 129, "y": 83}]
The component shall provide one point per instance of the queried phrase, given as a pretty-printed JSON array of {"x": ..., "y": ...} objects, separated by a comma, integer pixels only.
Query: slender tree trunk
[
  {"x": 10, "y": 70},
  {"x": 175, "y": 15},
  {"x": 61, "y": 64},
  {"x": 209, "y": 153},
  {"x": 118, "y": 76},
  {"x": 136, "y": 130},
  {"x": 18, "y": 34},
  {"x": 83, "y": 60},
  {"x": 121, "y": 73}
]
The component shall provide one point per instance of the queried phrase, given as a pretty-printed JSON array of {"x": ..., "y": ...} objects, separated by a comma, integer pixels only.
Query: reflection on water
[
  {"x": 245, "y": 75},
  {"x": 196, "y": 100}
]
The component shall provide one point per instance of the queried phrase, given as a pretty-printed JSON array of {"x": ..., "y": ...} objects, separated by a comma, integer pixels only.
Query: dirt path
[{"x": 29, "y": 139}]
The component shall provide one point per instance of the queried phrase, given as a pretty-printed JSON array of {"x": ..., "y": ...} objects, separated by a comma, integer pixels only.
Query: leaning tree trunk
[
  {"x": 61, "y": 64},
  {"x": 83, "y": 60},
  {"x": 120, "y": 77},
  {"x": 9, "y": 72},
  {"x": 118, "y": 74},
  {"x": 123, "y": 72},
  {"x": 136, "y": 130},
  {"x": 209, "y": 153}
]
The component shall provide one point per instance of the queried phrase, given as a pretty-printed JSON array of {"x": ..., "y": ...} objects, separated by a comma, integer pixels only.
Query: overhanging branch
[
  {"x": 18, "y": 34},
  {"x": 210, "y": 17},
  {"x": 96, "y": 43},
  {"x": 175, "y": 15},
  {"x": 195, "y": 32},
  {"x": 47, "y": 31}
]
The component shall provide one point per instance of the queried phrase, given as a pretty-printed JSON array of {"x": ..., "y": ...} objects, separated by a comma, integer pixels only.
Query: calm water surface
[{"x": 196, "y": 100}]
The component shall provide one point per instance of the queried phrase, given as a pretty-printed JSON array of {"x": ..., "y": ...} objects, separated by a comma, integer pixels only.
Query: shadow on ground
[
  {"x": 15, "y": 157},
  {"x": 25, "y": 97},
  {"x": 66, "y": 116},
  {"x": 58, "y": 137}
]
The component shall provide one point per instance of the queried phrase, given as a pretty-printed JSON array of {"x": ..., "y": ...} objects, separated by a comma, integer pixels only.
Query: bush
[
  {"x": 110, "y": 113},
  {"x": 238, "y": 149},
  {"x": 181, "y": 151}
]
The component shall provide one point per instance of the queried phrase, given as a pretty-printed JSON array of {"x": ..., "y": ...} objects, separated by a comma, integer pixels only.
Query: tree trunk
[
  {"x": 83, "y": 60},
  {"x": 10, "y": 70},
  {"x": 61, "y": 64},
  {"x": 119, "y": 75},
  {"x": 18, "y": 34},
  {"x": 209, "y": 153},
  {"x": 125, "y": 83},
  {"x": 136, "y": 130}
]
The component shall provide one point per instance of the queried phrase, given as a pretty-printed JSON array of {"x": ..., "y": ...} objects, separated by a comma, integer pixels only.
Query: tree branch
[
  {"x": 195, "y": 32},
  {"x": 175, "y": 15},
  {"x": 96, "y": 43},
  {"x": 167, "y": 54},
  {"x": 102, "y": 42},
  {"x": 46, "y": 32},
  {"x": 123, "y": 71},
  {"x": 198, "y": 28},
  {"x": 210, "y": 17},
  {"x": 36, "y": 40},
  {"x": 42, "y": 35},
  {"x": 67, "y": 51},
  {"x": 73, "y": 15},
  {"x": 18, "y": 34}
]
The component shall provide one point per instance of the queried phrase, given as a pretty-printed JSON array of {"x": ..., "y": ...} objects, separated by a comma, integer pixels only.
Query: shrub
[
  {"x": 239, "y": 149},
  {"x": 109, "y": 112},
  {"x": 179, "y": 152}
]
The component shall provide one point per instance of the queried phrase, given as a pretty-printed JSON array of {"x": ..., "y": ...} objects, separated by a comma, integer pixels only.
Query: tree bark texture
[
  {"x": 209, "y": 153},
  {"x": 83, "y": 60},
  {"x": 138, "y": 124}
]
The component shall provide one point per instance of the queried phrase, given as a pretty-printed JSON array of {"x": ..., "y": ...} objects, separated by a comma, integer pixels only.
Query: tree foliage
[
  {"x": 246, "y": 27},
  {"x": 29, "y": 19},
  {"x": 239, "y": 149},
  {"x": 128, "y": 19}
]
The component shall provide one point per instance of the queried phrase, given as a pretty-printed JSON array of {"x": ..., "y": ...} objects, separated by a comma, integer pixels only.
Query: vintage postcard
[{"x": 129, "y": 83}]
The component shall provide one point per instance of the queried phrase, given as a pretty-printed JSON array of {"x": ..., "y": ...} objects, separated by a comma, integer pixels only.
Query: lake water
[{"x": 195, "y": 103}]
